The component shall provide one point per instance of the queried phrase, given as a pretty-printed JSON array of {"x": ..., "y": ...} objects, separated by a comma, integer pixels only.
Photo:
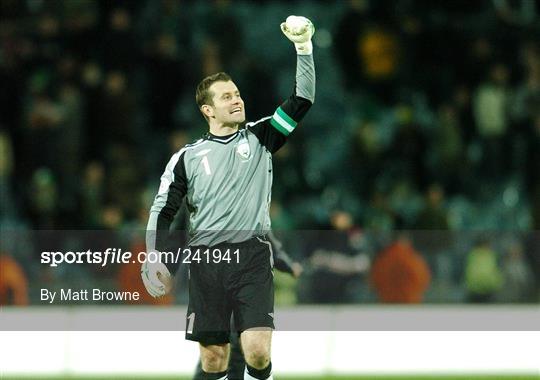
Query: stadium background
[{"x": 426, "y": 122}]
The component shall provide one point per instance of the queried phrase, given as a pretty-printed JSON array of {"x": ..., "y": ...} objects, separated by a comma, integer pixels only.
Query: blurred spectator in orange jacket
[
  {"x": 13, "y": 282},
  {"x": 399, "y": 274}
]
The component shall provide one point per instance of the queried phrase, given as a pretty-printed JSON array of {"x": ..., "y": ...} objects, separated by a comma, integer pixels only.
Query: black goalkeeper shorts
[{"x": 227, "y": 279}]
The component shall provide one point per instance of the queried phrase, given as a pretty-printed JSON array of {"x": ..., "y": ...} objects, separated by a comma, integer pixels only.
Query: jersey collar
[{"x": 221, "y": 139}]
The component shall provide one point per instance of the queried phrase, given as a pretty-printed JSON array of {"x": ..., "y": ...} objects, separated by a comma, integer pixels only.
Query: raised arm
[
  {"x": 273, "y": 131},
  {"x": 300, "y": 30}
]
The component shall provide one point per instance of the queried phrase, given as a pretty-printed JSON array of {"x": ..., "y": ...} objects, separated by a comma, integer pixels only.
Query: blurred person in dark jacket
[
  {"x": 168, "y": 75},
  {"x": 533, "y": 189},
  {"x": 450, "y": 166},
  {"x": 409, "y": 147},
  {"x": 518, "y": 279},
  {"x": 432, "y": 235},
  {"x": 117, "y": 112},
  {"x": 433, "y": 216},
  {"x": 532, "y": 172},
  {"x": 120, "y": 46},
  {"x": 336, "y": 259},
  {"x": 92, "y": 194},
  {"x": 348, "y": 31},
  {"x": 8, "y": 206}
]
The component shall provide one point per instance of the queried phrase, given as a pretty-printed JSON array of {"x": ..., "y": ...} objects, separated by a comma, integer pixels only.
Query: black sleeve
[
  {"x": 166, "y": 204},
  {"x": 273, "y": 131},
  {"x": 296, "y": 107},
  {"x": 177, "y": 191}
]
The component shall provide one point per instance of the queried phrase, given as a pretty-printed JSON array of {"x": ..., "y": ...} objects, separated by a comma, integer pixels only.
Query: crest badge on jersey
[{"x": 243, "y": 149}]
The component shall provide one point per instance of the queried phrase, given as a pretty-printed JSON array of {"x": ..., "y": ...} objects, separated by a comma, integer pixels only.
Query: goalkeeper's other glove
[
  {"x": 149, "y": 274},
  {"x": 299, "y": 30}
]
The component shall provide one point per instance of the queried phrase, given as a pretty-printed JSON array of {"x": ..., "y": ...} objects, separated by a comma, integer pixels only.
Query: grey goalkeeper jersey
[{"x": 227, "y": 180}]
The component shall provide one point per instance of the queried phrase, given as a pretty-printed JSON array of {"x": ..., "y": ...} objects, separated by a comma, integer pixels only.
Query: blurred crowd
[{"x": 427, "y": 118}]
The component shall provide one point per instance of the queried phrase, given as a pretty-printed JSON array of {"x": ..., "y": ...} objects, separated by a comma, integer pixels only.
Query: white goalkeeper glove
[
  {"x": 299, "y": 30},
  {"x": 153, "y": 285}
]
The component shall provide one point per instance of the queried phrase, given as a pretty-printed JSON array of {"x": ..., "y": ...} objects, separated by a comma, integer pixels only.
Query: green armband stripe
[
  {"x": 276, "y": 125},
  {"x": 282, "y": 122},
  {"x": 286, "y": 117}
]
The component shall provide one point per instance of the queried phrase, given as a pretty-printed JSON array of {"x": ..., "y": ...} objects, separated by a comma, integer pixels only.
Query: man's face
[{"x": 228, "y": 106}]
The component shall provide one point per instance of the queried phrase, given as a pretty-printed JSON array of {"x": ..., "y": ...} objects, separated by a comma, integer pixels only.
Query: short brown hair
[{"x": 203, "y": 95}]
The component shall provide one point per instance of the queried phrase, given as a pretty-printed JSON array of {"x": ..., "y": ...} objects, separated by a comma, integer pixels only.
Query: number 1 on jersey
[
  {"x": 206, "y": 165},
  {"x": 191, "y": 321}
]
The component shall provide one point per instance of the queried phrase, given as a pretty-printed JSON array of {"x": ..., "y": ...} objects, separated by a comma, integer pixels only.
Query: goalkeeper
[{"x": 226, "y": 178}]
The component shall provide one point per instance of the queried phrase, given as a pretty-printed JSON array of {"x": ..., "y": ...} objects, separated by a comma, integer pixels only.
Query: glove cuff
[{"x": 304, "y": 48}]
